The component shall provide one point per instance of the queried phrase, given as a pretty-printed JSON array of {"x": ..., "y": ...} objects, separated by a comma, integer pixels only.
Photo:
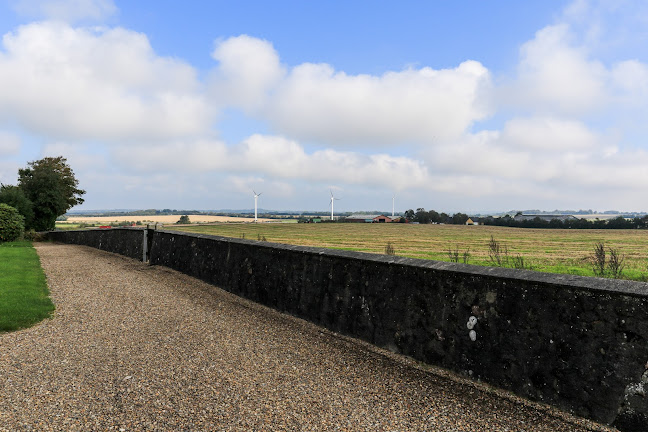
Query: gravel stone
[{"x": 138, "y": 348}]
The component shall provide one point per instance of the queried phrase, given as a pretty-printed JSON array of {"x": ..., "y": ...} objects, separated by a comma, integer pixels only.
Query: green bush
[{"x": 12, "y": 223}]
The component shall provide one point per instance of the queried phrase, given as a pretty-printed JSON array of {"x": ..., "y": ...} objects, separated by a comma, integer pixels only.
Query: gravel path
[{"x": 133, "y": 347}]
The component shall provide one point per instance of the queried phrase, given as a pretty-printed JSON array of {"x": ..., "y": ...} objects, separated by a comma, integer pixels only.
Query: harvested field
[
  {"x": 166, "y": 219},
  {"x": 549, "y": 250}
]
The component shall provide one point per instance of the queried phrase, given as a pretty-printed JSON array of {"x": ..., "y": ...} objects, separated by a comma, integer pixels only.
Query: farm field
[
  {"x": 554, "y": 251},
  {"x": 165, "y": 219}
]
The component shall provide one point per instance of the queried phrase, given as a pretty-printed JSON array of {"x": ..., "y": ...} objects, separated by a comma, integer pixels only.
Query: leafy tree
[
  {"x": 15, "y": 197},
  {"x": 12, "y": 224},
  {"x": 184, "y": 219},
  {"x": 434, "y": 216},
  {"x": 422, "y": 216},
  {"x": 459, "y": 218},
  {"x": 51, "y": 186},
  {"x": 409, "y": 215}
]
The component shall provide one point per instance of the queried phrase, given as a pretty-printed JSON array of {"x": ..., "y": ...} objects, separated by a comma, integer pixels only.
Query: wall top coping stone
[{"x": 619, "y": 286}]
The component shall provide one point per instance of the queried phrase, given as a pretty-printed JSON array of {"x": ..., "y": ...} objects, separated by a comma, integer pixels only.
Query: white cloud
[
  {"x": 630, "y": 77},
  {"x": 560, "y": 74},
  {"x": 131, "y": 120},
  {"x": 269, "y": 189},
  {"x": 198, "y": 156},
  {"x": 608, "y": 27},
  {"x": 275, "y": 158},
  {"x": 540, "y": 159},
  {"x": 284, "y": 158},
  {"x": 548, "y": 133},
  {"x": 9, "y": 144},
  {"x": 248, "y": 69},
  {"x": 556, "y": 77},
  {"x": 316, "y": 102},
  {"x": 8, "y": 171},
  {"x": 106, "y": 84},
  {"x": 66, "y": 10}
]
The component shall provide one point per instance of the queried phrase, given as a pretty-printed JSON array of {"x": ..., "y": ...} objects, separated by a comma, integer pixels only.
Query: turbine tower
[
  {"x": 256, "y": 198},
  {"x": 393, "y": 198},
  {"x": 333, "y": 199}
]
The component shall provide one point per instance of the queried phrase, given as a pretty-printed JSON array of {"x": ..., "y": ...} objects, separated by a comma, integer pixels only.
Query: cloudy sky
[{"x": 455, "y": 106}]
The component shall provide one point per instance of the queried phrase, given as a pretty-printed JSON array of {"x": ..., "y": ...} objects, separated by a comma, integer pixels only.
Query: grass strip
[{"x": 24, "y": 296}]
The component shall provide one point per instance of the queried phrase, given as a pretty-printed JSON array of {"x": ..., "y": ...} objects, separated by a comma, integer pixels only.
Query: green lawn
[
  {"x": 24, "y": 297},
  {"x": 547, "y": 250}
]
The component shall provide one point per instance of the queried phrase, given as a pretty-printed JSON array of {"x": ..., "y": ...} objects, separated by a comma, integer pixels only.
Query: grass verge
[{"x": 24, "y": 296}]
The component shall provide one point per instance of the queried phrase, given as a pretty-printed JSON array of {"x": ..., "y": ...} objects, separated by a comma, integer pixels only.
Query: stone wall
[
  {"x": 577, "y": 343},
  {"x": 123, "y": 241}
]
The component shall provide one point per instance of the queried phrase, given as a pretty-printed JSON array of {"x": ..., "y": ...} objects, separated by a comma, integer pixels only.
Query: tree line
[
  {"x": 431, "y": 216},
  {"x": 577, "y": 223},
  {"x": 425, "y": 217}
]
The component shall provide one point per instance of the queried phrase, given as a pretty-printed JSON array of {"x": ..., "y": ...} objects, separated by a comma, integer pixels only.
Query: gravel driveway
[{"x": 133, "y": 347}]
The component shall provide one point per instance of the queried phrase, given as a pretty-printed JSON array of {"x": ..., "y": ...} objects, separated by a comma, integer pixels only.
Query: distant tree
[
  {"x": 641, "y": 222},
  {"x": 459, "y": 218},
  {"x": 619, "y": 223},
  {"x": 409, "y": 215},
  {"x": 434, "y": 216},
  {"x": 15, "y": 197},
  {"x": 12, "y": 226},
  {"x": 51, "y": 186},
  {"x": 422, "y": 216},
  {"x": 184, "y": 219}
]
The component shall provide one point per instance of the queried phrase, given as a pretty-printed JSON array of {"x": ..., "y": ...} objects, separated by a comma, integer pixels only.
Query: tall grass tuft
[
  {"x": 453, "y": 255},
  {"x": 389, "y": 249},
  {"x": 497, "y": 253},
  {"x": 608, "y": 263}
]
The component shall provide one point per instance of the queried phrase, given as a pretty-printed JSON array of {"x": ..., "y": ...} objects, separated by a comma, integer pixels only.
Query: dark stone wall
[
  {"x": 573, "y": 342},
  {"x": 123, "y": 241},
  {"x": 577, "y": 343}
]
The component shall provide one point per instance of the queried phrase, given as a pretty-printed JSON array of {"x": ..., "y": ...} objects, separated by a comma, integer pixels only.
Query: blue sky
[{"x": 455, "y": 106}]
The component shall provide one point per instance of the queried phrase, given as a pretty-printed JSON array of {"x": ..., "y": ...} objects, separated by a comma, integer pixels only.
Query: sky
[{"x": 465, "y": 106}]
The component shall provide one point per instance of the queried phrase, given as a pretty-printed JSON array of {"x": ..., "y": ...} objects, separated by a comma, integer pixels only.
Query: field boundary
[{"x": 578, "y": 343}]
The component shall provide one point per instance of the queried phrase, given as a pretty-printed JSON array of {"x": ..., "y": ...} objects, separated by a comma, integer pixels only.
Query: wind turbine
[
  {"x": 333, "y": 199},
  {"x": 393, "y": 198},
  {"x": 256, "y": 197}
]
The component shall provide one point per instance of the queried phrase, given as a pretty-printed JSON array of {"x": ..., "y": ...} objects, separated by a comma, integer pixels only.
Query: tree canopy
[
  {"x": 47, "y": 188},
  {"x": 184, "y": 219},
  {"x": 15, "y": 197}
]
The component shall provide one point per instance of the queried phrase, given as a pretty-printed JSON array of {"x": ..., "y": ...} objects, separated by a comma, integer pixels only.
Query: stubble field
[
  {"x": 555, "y": 251},
  {"x": 165, "y": 219}
]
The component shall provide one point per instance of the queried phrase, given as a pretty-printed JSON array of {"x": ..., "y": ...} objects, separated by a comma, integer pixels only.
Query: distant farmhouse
[
  {"x": 473, "y": 221},
  {"x": 544, "y": 217},
  {"x": 367, "y": 218}
]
